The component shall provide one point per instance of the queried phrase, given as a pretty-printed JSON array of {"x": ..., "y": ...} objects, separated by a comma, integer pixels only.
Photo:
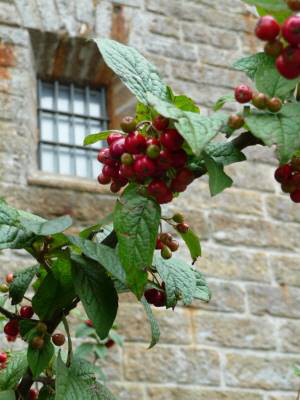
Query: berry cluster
[
  {"x": 289, "y": 177},
  {"x": 153, "y": 157},
  {"x": 244, "y": 94},
  {"x": 282, "y": 41}
]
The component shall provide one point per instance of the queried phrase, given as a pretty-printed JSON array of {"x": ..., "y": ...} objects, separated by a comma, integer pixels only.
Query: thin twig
[
  {"x": 70, "y": 350},
  {"x": 7, "y": 313}
]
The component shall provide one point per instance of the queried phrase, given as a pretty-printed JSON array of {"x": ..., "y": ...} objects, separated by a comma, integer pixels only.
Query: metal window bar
[{"x": 75, "y": 151}]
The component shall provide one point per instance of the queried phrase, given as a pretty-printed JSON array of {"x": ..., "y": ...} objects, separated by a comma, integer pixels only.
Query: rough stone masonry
[{"x": 245, "y": 343}]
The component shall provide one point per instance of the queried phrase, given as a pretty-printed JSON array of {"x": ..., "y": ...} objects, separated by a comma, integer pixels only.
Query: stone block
[
  {"x": 125, "y": 391},
  {"x": 289, "y": 332},
  {"x": 237, "y": 332},
  {"x": 282, "y": 208},
  {"x": 260, "y": 372},
  {"x": 286, "y": 269},
  {"x": 171, "y": 364},
  {"x": 277, "y": 301}
]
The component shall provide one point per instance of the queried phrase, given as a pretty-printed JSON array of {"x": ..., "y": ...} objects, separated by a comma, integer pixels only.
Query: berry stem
[
  {"x": 8, "y": 314},
  {"x": 142, "y": 123},
  {"x": 70, "y": 348}
]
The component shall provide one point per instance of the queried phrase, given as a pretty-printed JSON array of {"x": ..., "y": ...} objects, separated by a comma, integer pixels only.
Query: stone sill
[{"x": 66, "y": 182}]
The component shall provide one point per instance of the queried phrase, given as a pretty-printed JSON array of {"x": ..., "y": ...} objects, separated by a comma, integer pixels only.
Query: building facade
[{"x": 54, "y": 89}]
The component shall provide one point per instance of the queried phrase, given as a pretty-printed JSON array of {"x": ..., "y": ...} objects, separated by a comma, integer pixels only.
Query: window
[{"x": 67, "y": 113}]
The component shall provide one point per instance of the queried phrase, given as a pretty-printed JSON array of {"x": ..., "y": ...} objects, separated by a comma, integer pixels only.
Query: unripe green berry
[
  {"x": 41, "y": 327},
  {"x": 128, "y": 124},
  {"x": 274, "y": 104},
  {"x": 166, "y": 253},
  {"x": 153, "y": 151},
  {"x": 235, "y": 121},
  {"x": 4, "y": 288},
  {"x": 37, "y": 343},
  {"x": 260, "y": 101},
  {"x": 127, "y": 159},
  {"x": 179, "y": 218}
]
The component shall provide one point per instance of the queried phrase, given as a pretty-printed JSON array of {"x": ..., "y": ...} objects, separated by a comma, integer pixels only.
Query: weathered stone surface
[
  {"x": 282, "y": 396},
  {"x": 289, "y": 332},
  {"x": 254, "y": 232},
  {"x": 175, "y": 326},
  {"x": 180, "y": 393},
  {"x": 278, "y": 301},
  {"x": 282, "y": 208},
  {"x": 226, "y": 297},
  {"x": 168, "y": 48},
  {"x": 229, "y": 331},
  {"x": 166, "y": 26},
  {"x": 264, "y": 372},
  {"x": 286, "y": 269},
  {"x": 125, "y": 391},
  {"x": 175, "y": 364}
]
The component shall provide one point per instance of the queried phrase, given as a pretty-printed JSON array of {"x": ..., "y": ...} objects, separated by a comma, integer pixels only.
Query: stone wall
[{"x": 244, "y": 344}]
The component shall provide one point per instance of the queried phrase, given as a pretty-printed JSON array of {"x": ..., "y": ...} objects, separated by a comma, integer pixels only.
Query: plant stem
[
  {"x": 7, "y": 313},
  {"x": 70, "y": 349}
]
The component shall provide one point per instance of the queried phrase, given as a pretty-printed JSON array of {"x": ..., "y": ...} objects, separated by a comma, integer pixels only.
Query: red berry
[
  {"x": 58, "y": 339},
  {"x": 259, "y": 100},
  {"x": 159, "y": 244},
  {"x": 144, "y": 167},
  {"x": 26, "y": 312},
  {"x": 10, "y": 338},
  {"x": 166, "y": 237},
  {"x": 89, "y": 323},
  {"x": 283, "y": 173},
  {"x": 267, "y": 28},
  {"x": 274, "y": 104},
  {"x": 9, "y": 278},
  {"x": 105, "y": 157},
  {"x": 295, "y": 163},
  {"x": 294, "y": 5},
  {"x": 154, "y": 141},
  {"x": 160, "y": 123},
  {"x": 114, "y": 136},
  {"x": 155, "y": 297},
  {"x": 165, "y": 198},
  {"x": 295, "y": 196},
  {"x": 177, "y": 186},
  {"x": 295, "y": 180},
  {"x": 185, "y": 176},
  {"x": 3, "y": 357},
  {"x": 273, "y": 48},
  {"x": 115, "y": 187},
  {"x": 179, "y": 159},
  {"x": 135, "y": 143},
  {"x": 171, "y": 139},
  {"x": 12, "y": 327},
  {"x": 37, "y": 342},
  {"x": 287, "y": 70},
  {"x": 104, "y": 180},
  {"x": 164, "y": 160},
  {"x": 173, "y": 245},
  {"x": 153, "y": 151},
  {"x": 128, "y": 124},
  {"x": 110, "y": 172},
  {"x": 126, "y": 171},
  {"x": 243, "y": 94},
  {"x": 117, "y": 148},
  {"x": 110, "y": 343},
  {"x": 291, "y": 30},
  {"x": 182, "y": 228},
  {"x": 33, "y": 394},
  {"x": 235, "y": 121},
  {"x": 157, "y": 188},
  {"x": 3, "y": 365},
  {"x": 291, "y": 55}
]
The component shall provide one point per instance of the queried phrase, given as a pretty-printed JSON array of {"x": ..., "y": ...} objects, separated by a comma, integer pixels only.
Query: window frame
[{"x": 71, "y": 115}]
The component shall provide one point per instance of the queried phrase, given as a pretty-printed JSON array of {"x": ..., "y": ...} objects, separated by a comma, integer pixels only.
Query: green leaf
[
  {"x": 202, "y": 291},
  {"x": 90, "y": 231},
  {"x": 7, "y": 395},
  {"x": 97, "y": 293},
  {"x": 155, "y": 331},
  {"x": 224, "y": 153},
  {"x": 179, "y": 280},
  {"x": 133, "y": 69},
  {"x": 274, "y": 5},
  {"x": 97, "y": 137},
  {"x": 143, "y": 112},
  {"x": 79, "y": 382},
  {"x": 269, "y": 81},
  {"x": 136, "y": 222},
  {"x": 38, "y": 359},
  {"x": 46, "y": 394},
  {"x": 84, "y": 330},
  {"x": 16, "y": 367},
  {"x": 105, "y": 255},
  {"x": 45, "y": 228},
  {"x": 197, "y": 130},
  {"x": 193, "y": 243},
  {"x": 280, "y": 16},
  {"x": 27, "y": 327},
  {"x": 83, "y": 349},
  {"x": 250, "y": 64},
  {"x": 20, "y": 284},
  {"x": 56, "y": 290},
  {"x": 12, "y": 235},
  {"x": 222, "y": 101},
  {"x": 281, "y": 129},
  {"x": 218, "y": 180},
  {"x": 186, "y": 104}
]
